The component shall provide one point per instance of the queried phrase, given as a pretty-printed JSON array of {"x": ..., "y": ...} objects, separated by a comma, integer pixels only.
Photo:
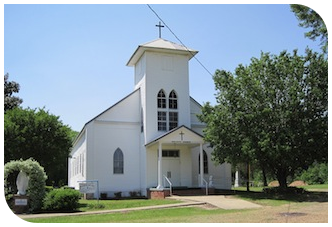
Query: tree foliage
[
  {"x": 317, "y": 173},
  {"x": 31, "y": 133},
  {"x": 272, "y": 113},
  {"x": 11, "y": 87},
  {"x": 310, "y": 19}
]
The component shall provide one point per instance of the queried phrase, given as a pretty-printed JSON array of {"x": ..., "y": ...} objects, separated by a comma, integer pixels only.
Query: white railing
[
  {"x": 206, "y": 186},
  {"x": 170, "y": 184}
]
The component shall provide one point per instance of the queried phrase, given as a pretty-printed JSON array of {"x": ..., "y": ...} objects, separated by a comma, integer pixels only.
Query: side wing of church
[{"x": 152, "y": 136}]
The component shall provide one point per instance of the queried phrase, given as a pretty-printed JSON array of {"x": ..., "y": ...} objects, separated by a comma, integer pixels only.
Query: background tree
[
  {"x": 310, "y": 19},
  {"x": 11, "y": 87},
  {"x": 37, "y": 134},
  {"x": 272, "y": 113}
]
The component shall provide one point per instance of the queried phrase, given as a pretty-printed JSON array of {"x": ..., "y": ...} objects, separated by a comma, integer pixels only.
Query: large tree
[
  {"x": 272, "y": 113},
  {"x": 310, "y": 19},
  {"x": 11, "y": 87},
  {"x": 37, "y": 134}
]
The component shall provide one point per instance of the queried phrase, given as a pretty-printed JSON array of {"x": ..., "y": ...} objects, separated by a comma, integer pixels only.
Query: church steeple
[{"x": 162, "y": 75}]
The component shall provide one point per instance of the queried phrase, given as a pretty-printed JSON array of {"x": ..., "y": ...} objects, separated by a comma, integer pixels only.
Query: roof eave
[{"x": 141, "y": 49}]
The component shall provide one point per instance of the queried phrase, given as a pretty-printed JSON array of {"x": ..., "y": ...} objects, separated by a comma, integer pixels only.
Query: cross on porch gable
[{"x": 181, "y": 134}]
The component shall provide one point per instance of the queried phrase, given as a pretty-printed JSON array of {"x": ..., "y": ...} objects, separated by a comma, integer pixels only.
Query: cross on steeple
[{"x": 160, "y": 26}]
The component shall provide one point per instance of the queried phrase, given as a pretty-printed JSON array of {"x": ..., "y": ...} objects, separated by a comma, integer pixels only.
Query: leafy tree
[
  {"x": 272, "y": 113},
  {"x": 11, "y": 87},
  {"x": 310, "y": 19},
  {"x": 37, "y": 134}
]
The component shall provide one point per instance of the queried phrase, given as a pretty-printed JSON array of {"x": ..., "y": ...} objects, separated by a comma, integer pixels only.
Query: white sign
[
  {"x": 88, "y": 187},
  {"x": 21, "y": 202}
]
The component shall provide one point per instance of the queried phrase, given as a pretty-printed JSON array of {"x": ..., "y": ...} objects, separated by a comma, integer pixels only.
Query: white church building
[{"x": 152, "y": 136}]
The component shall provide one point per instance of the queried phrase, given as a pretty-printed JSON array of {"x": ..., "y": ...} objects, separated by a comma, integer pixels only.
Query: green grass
[
  {"x": 316, "y": 187},
  {"x": 175, "y": 215},
  {"x": 315, "y": 193},
  {"x": 93, "y": 205}
]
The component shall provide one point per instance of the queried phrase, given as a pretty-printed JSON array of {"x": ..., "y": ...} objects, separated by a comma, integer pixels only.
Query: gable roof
[
  {"x": 172, "y": 131},
  {"x": 78, "y": 136},
  {"x": 160, "y": 45}
]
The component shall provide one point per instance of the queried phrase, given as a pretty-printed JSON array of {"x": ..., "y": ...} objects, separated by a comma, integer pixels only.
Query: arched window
[
  {"x": 118, "y": 161},
  {"x": 161, "y": 100},
  {"x": 205, "y": 163},
  {"x": 172, "y": 105},
  {"x": 161, "y": 104},
  {"x": 173, "y": 100}
]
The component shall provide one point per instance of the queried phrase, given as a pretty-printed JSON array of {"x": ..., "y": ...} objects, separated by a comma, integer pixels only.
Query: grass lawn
[
  {"x": 315, "y": 193},
  {"x": 93, "y": 205},
  {"x": 184, "y": 214},
  {"x": 313, "y": 207}
]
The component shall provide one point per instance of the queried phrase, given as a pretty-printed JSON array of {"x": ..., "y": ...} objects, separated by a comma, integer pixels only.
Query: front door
[{"x": 171, "y": 167}]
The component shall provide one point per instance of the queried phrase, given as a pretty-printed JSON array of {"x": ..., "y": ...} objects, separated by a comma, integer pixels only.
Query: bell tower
[{"x": 162, "y": 75}]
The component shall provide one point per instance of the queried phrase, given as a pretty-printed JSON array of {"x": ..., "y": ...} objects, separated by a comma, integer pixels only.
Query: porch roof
[{"x": 179, "y": 135}]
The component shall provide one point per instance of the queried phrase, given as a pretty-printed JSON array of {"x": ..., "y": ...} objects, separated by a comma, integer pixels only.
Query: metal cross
[
  {"x": 160, "y": 26},
  {"x": 181, "y": 134}
]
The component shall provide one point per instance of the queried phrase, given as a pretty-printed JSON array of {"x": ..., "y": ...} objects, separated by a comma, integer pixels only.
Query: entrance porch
[{"x": 170, "y": 162}]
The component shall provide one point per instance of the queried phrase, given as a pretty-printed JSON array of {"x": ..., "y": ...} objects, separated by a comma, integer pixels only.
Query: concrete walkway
[{"x": 219, "y": 201}]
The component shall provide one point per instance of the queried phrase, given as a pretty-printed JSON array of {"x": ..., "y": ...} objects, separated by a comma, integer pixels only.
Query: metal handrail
[
  {"x": 206, "y": 186},
  {"x": 170, "y": 184}
]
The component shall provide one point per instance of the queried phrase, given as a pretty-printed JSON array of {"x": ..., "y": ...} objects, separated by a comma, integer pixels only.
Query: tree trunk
[
  {"x": 264, "y": 177},
  {"x": 282, "y": 178},
  {"x": 248, "y": 177}
]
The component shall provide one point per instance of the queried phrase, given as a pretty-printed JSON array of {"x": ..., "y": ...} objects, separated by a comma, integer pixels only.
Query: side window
[{"x": 118, "y": 161}]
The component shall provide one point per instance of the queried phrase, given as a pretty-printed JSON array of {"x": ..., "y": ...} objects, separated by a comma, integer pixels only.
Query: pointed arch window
[
  {"x": 161, "y": 100},
  {"x": 205, "y": 163},
  {"x": 173, "y": 100},
  {"x": 118, "y": 161}
]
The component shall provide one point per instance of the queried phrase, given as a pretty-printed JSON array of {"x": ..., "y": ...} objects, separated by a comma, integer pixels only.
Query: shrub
[
  {"x": 288, "y": 190},
  {"x": 62, "y": 200},
  {"x": 36, "y": 185},
  {"x": 118, "y": 194},
  {"x": 315, "y": 174}
]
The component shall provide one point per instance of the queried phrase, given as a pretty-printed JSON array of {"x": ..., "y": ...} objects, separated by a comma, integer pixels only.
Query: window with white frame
[
  {"x": 118, "y": 161},
  {"x": 167, "y": 111}
]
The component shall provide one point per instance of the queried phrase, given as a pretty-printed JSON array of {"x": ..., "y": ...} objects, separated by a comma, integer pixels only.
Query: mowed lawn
[{"x": 308, "y": 208}]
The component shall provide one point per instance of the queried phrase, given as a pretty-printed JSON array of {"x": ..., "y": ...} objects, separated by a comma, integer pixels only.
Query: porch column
[
  {"x": 201, "y": 164},
  {"x": 160, "y": 176}
]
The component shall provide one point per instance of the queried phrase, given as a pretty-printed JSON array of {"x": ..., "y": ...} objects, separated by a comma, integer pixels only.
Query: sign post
[{"x": 89, "y": 186}]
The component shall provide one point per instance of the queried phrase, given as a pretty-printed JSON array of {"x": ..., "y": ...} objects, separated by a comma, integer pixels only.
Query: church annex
[{"x": 150, "y": 136}]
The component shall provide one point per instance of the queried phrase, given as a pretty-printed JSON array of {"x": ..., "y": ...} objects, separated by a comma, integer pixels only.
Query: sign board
[
  {"x": 21, "y": 202},
  {"x": 88, "y": 187}
]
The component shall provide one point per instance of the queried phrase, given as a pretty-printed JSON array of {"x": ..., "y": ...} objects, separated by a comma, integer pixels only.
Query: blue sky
[{"x": 71, "y": 59}]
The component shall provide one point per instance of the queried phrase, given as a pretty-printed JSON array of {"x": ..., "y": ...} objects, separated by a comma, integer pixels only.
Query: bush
[
  {"x": 37, "y": 178},
  {"x": 62, "y": 200},
  {"x": 315, "y": 174},
  {"x": 288, "y": 190}
]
